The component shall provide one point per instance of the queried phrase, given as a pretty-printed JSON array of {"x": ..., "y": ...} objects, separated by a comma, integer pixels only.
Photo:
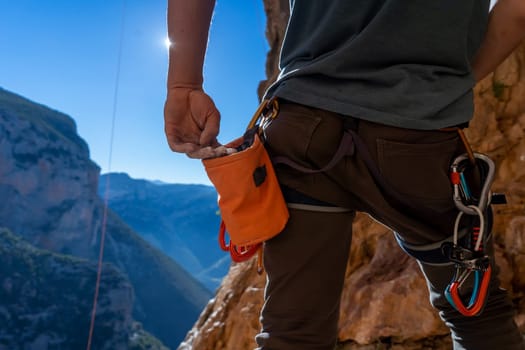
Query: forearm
[
  {"x": 188, "y": 27},
  {"x": 506, "y": 29}
]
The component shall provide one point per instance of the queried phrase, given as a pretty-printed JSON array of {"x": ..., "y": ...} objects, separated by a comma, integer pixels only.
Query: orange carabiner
[
  {"x": 476, "y": 308},
  {"x": 260, "y": 117},
  {"x": 222, "y": 237}
]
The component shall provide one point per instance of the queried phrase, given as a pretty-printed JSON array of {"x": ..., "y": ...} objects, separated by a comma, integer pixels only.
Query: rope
[{"x": 106, "y": 193}]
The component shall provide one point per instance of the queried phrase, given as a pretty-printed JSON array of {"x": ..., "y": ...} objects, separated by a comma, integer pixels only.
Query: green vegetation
[{"x": 48, "y": 296}]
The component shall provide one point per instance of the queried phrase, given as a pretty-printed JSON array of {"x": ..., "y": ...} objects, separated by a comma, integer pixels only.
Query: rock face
[
  {"x": 48, "y": 191},
  {"x": 385, "y": 307},
  {"x": 47, "y": 176}
]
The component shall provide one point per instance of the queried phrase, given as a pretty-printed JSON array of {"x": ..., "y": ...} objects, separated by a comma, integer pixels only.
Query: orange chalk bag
[{"x": 250, "y": 200}]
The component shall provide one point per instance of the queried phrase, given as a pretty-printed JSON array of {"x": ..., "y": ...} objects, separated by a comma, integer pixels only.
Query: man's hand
[{"x": 191, "y": 121}]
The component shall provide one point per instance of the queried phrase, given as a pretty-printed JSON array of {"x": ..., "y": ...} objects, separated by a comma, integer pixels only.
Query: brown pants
[{"x": 306, "y": 262}]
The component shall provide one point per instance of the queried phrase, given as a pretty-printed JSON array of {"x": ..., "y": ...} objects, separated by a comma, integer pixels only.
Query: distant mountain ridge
[
  {"x": 181, "y": 220},
  {"x": 48, "y": 186}
]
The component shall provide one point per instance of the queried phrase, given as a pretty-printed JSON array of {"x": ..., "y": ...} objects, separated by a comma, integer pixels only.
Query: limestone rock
[
  {"x": 385, "y": 307},
  {"x": 231, "y": 319},
  {"x": 49, "y": 180},
  {"x": 384, "y": 295}
]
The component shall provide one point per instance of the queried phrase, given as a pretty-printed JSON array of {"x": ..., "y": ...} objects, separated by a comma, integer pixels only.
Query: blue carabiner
[{"x": 479, "y": 292}]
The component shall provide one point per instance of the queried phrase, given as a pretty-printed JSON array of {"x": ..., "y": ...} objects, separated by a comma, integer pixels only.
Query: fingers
[
  {"x": 202, "y": 153},
  {"x": 176, "y": 142},
  {"x": 183, "y": 147},
  {"x": 211, "y": 128},
  {"x": 191, "y": 123},
  {"x": 211, "y": 152},
  {"x": 206, "y": 116}
]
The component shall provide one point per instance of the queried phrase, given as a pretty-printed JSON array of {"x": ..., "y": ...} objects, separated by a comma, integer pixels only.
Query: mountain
[
  {"x": 181, "y": 220},
  {"x": 44, "y": 302},
  {"x": 48, "y": 186}
]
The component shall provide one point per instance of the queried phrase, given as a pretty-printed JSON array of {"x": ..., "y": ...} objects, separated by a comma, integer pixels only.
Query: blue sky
[{"x": 63, "y": 54}]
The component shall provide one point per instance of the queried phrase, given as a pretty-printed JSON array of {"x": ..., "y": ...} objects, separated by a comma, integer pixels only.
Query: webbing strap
[
  {"x": 318, "y": 208},
  {"x": 350, "y": 143},
  {"x": 430, "y": 254},
  {"x": 433, "y": 254},
  {"x": 346, "y": 148}
]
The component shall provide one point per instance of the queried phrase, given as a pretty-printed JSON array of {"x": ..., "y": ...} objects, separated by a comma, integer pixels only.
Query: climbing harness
[
  {"x": 472, "y": 227},
  {"x": 251, "y": 203},
  {"x": 465, "y": 248}
]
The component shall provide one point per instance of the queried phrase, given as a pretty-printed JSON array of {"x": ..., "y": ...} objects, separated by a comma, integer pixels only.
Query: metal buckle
[{"x": 267, "y": 111}]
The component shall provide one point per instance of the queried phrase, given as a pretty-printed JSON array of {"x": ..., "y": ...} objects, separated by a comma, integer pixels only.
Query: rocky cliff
[
  {"x": 47, "y": 178},
  {"x": 48, "y": 191},
  {"x": 380, "y": 313}
]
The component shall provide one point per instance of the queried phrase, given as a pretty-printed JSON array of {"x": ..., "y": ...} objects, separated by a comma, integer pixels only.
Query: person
[{"x": 398, "y": 74}]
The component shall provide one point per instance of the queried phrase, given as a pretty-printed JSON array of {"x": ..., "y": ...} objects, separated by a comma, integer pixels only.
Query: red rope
[
  {"x": 106, "y": 194},
  {"x": 100, "y": 260}
]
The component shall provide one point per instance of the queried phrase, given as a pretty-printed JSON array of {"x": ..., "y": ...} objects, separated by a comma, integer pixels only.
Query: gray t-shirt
[{"x": 403, "y": 63}]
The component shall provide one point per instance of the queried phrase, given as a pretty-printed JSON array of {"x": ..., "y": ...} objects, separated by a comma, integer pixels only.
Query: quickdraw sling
[{"x": 472, "y": 230}]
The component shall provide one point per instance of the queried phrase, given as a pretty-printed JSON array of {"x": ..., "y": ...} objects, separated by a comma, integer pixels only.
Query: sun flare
[{"x": 167, "y": 43}]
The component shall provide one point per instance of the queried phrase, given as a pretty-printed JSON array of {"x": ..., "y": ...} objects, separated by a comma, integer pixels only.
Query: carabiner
[
  {"x": 459, "y": 183},
  {"x": 478, "y": 296},
  {"x": 261, "y": 116},
  {"x": 479, "y": 232},
  {"x": 238, "y": 254},
  {"x": 222, "y": 237}
]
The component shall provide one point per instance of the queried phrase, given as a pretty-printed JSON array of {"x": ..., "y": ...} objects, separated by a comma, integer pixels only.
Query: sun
[{"x": 167, "y": 43}]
